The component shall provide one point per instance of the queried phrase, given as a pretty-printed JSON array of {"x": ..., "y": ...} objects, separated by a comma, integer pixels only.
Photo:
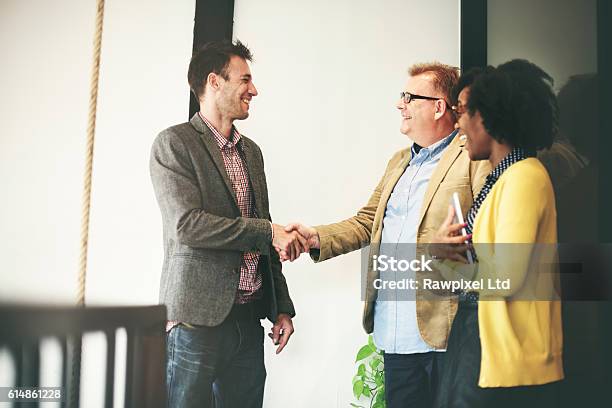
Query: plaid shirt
[{"x": 250, "y": 279}]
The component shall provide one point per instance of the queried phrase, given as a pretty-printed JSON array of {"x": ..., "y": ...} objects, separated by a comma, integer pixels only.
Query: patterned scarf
[{"x": 517, "y": 154}]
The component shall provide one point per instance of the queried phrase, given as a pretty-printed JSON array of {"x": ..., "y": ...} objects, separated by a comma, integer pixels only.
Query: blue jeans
[{"x": 221, "y": 366}]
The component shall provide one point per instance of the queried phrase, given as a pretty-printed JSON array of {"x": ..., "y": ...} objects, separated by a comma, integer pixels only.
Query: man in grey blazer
[{"x": 221, "y": 272}]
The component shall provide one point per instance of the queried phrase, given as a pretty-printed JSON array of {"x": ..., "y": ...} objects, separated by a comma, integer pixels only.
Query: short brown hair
[
  {"x": 213, "y": 57},
  {"x": 445, "y": 77}
]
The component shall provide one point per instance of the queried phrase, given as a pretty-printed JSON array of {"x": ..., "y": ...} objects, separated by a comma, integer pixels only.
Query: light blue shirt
[{"x": 395, "y": 322}]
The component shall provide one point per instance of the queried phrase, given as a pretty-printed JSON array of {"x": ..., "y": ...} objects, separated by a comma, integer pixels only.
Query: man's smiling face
[
  {"x": 419, "y": 113},
  {"x": 237, "y": 91}
]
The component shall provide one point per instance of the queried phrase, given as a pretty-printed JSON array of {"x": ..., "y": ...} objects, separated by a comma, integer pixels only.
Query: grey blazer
[{"x": 204, "y": 233}]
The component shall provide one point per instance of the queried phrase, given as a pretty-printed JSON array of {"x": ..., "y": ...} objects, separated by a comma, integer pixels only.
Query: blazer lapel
[
  {"x": 393, "y": 179},
  {"x": 208, "y": 139},
  {"x": 448, "y": 158},
  {"x": 254, "y": 171},
  {"x": 386, "y": 193}
]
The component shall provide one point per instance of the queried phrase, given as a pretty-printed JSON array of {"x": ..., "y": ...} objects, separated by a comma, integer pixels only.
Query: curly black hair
[
  {"x": 466, "y": 79},
  {"x": 517, "y": 104},
  {"x": 214, "y": 57}
]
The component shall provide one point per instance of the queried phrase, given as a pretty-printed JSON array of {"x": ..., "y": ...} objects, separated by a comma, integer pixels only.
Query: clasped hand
[{"x": 292, "y": 240}]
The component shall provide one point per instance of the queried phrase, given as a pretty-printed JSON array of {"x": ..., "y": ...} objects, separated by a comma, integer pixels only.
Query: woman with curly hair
[{"x": 505, "y": 345}]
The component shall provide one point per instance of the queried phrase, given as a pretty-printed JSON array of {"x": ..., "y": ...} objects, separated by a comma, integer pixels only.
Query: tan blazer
[{"x": 455, "y": 172}]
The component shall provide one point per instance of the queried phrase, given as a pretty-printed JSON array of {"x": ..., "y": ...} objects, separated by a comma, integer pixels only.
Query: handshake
[{"x": 292, "y": 240}]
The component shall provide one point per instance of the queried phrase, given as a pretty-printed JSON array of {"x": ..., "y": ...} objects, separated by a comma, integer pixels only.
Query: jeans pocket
[
  {"x": 191, "y": 367},
  {"x": 198, "y": 347}
]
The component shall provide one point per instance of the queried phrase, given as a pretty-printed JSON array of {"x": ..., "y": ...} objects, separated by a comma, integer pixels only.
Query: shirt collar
[
  {"x": 222, "y": 141},
  {"x": 517, "y": 154},
  {"x": 434, "y": 149},
  {"x": 416, "y": 148}
]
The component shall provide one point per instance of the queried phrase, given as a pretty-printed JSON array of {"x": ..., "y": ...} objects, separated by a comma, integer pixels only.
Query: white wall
[
  {"x": 558, "y": 35},
  {"x": 46, "y": 64},
  {"x": 45, "y": 69},
  {"x": 328, "y": 74},
  {"x": 47, "y": 53}
]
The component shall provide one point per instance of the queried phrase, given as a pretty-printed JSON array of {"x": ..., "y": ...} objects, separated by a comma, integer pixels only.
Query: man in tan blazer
[{"x": 407, "y": 206}]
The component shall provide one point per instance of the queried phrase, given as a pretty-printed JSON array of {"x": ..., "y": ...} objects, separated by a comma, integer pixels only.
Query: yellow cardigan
[{"x": 521, "y": 339}]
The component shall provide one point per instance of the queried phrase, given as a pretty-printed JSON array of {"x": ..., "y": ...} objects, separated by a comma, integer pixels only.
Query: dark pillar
[
  {"x": 214, "y": 20},
  {"x": 473, "y": 34}
]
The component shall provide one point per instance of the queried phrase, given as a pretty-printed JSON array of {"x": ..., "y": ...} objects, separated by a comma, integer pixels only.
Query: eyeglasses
[
  {"x": 407, "y": 97},
  {"x": 459, "y": 109}
]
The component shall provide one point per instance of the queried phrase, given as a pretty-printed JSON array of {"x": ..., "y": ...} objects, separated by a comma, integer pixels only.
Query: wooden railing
[{"x": 22, "y": 328}]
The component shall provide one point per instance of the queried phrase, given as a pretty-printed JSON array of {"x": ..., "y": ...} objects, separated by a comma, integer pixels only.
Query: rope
[
  {"x": 91, "y": 129},
  {"x": 75, "y": 342}
]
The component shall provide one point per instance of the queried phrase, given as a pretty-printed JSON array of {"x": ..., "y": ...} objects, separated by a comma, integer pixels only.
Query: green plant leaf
[
  {"x": 357, "y": 406},
  {"x": 364, "y": 352},
  {"x": 380, "y": 397},
  {"x": 375, "y": 363},
  {"x": 378, "y": 405},
  {"x": 361, "y": 370},
  {"x": 358, "y": 389},
  {"x": 371, "y": 342},
  {"x": 367, "y": 392},
  {"x": 379, "y": 379}
]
